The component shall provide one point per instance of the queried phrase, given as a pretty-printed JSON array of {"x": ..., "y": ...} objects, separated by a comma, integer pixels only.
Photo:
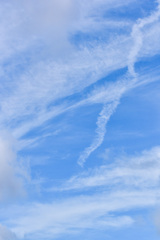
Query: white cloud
[
  {"x": 132, "y": 57},
  {"x": 110, "y": 92},
  {"x": 53, "y": 74},
  {"x": 103, "y": 118},
  {"x": 11, "y": 174},
  {"x": 140, "y": 171},
  {"x": 29, "y": 97},
  {"x": 6, "y": 234},
  {"x": 127, "y": 184},
  {"x": 25, "y": 23},
  {"x": 29, "y": 94},
  {"x": 137, "y": 36},
  {"x": 97, "y": 211}
]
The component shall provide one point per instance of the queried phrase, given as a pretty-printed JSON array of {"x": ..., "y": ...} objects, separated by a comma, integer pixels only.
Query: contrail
[
  {"x": 103, "y": 118},
  {"x": 137, "y": 37},
  {"x": 109, "y": 109}
]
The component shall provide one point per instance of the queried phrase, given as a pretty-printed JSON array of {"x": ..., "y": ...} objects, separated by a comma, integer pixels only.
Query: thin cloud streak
[
  {"x": 138, "y": 40},
  {"x": 130, "y": 184},
  {"x": 82, "y": 212},
  {"x": 139, "y": 171},
  {"x": 55, "y": 57},
  {"x": 137, "y": 36},
  {"x": 103, "y": 118}
]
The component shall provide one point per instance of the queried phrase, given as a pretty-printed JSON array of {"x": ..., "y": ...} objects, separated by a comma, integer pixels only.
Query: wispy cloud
[
  {"x": 31, "y": 92},
  {"x": 128, "y": 183},
  {"x": 103, "y": 118},
  {"x": 139, "y": 171},
  {"x": 6, "y": 234},
  {"x": 80, "y": 213},
  {"x": 57, "y": 56},
  {"x": 12, "y": 175},
  {"x": 132, "y": 57},
  {"x": 137, "y": 36}
]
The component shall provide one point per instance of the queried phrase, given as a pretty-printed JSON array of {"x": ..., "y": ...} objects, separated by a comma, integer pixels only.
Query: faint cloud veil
[{"x": 12, "y": 174}]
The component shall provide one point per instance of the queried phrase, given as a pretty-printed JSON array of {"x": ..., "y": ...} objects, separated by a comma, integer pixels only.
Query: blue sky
[{"x": 79, "y": 119}]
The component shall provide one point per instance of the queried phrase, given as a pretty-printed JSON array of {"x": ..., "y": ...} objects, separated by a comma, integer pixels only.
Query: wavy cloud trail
[
  {"x": 109, "y": 109},
  {"x": 137, "y": 37},
  {"x": 103, "y": 118}
]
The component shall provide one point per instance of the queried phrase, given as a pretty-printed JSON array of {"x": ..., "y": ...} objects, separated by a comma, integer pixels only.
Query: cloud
[
  {"x": 139, "y": 171},
  {"x": 27, "y": 97},
  {"x": 30, "y": 96},
  {"x": 11, "y": 174},
  {"x": 129, "y": 183},
  {"x": 94, "y": 211},
  {"x": 103, "y": 118},
  {"x": 137, "y": 36},
  {"x": 48, "y": 21},
  {"x": 6, "y": 234},
  {"x": 110, "y": 92},
  {"x": 26, "y": 23},
  {"x": 132, "y": 57},
  {"x": 50, "y": 51}
]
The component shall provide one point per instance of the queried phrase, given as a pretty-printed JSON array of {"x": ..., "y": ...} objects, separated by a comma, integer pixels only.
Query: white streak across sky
[
  {"x": 79, "y": 87},
  {"x": 132, "y": 57}
]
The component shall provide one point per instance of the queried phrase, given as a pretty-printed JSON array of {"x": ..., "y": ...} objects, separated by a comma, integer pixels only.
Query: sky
[{"x": 79, "y": 120}]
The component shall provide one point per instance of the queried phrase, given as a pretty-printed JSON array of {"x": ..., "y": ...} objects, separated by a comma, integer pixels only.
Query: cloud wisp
[
  {"x": 131, "y": 182},
  {"x": 6, "y": 234},
  {"x": 132, "y": 57},
  {"x": 103, "y": 118},
  {"x": 137, "y": 37},
  {"x": 58, "y": 56},
  {"x": 33, "y": 90},
  {"x": 12, "y": 175},
  {"x": 139, "y": 171}
]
